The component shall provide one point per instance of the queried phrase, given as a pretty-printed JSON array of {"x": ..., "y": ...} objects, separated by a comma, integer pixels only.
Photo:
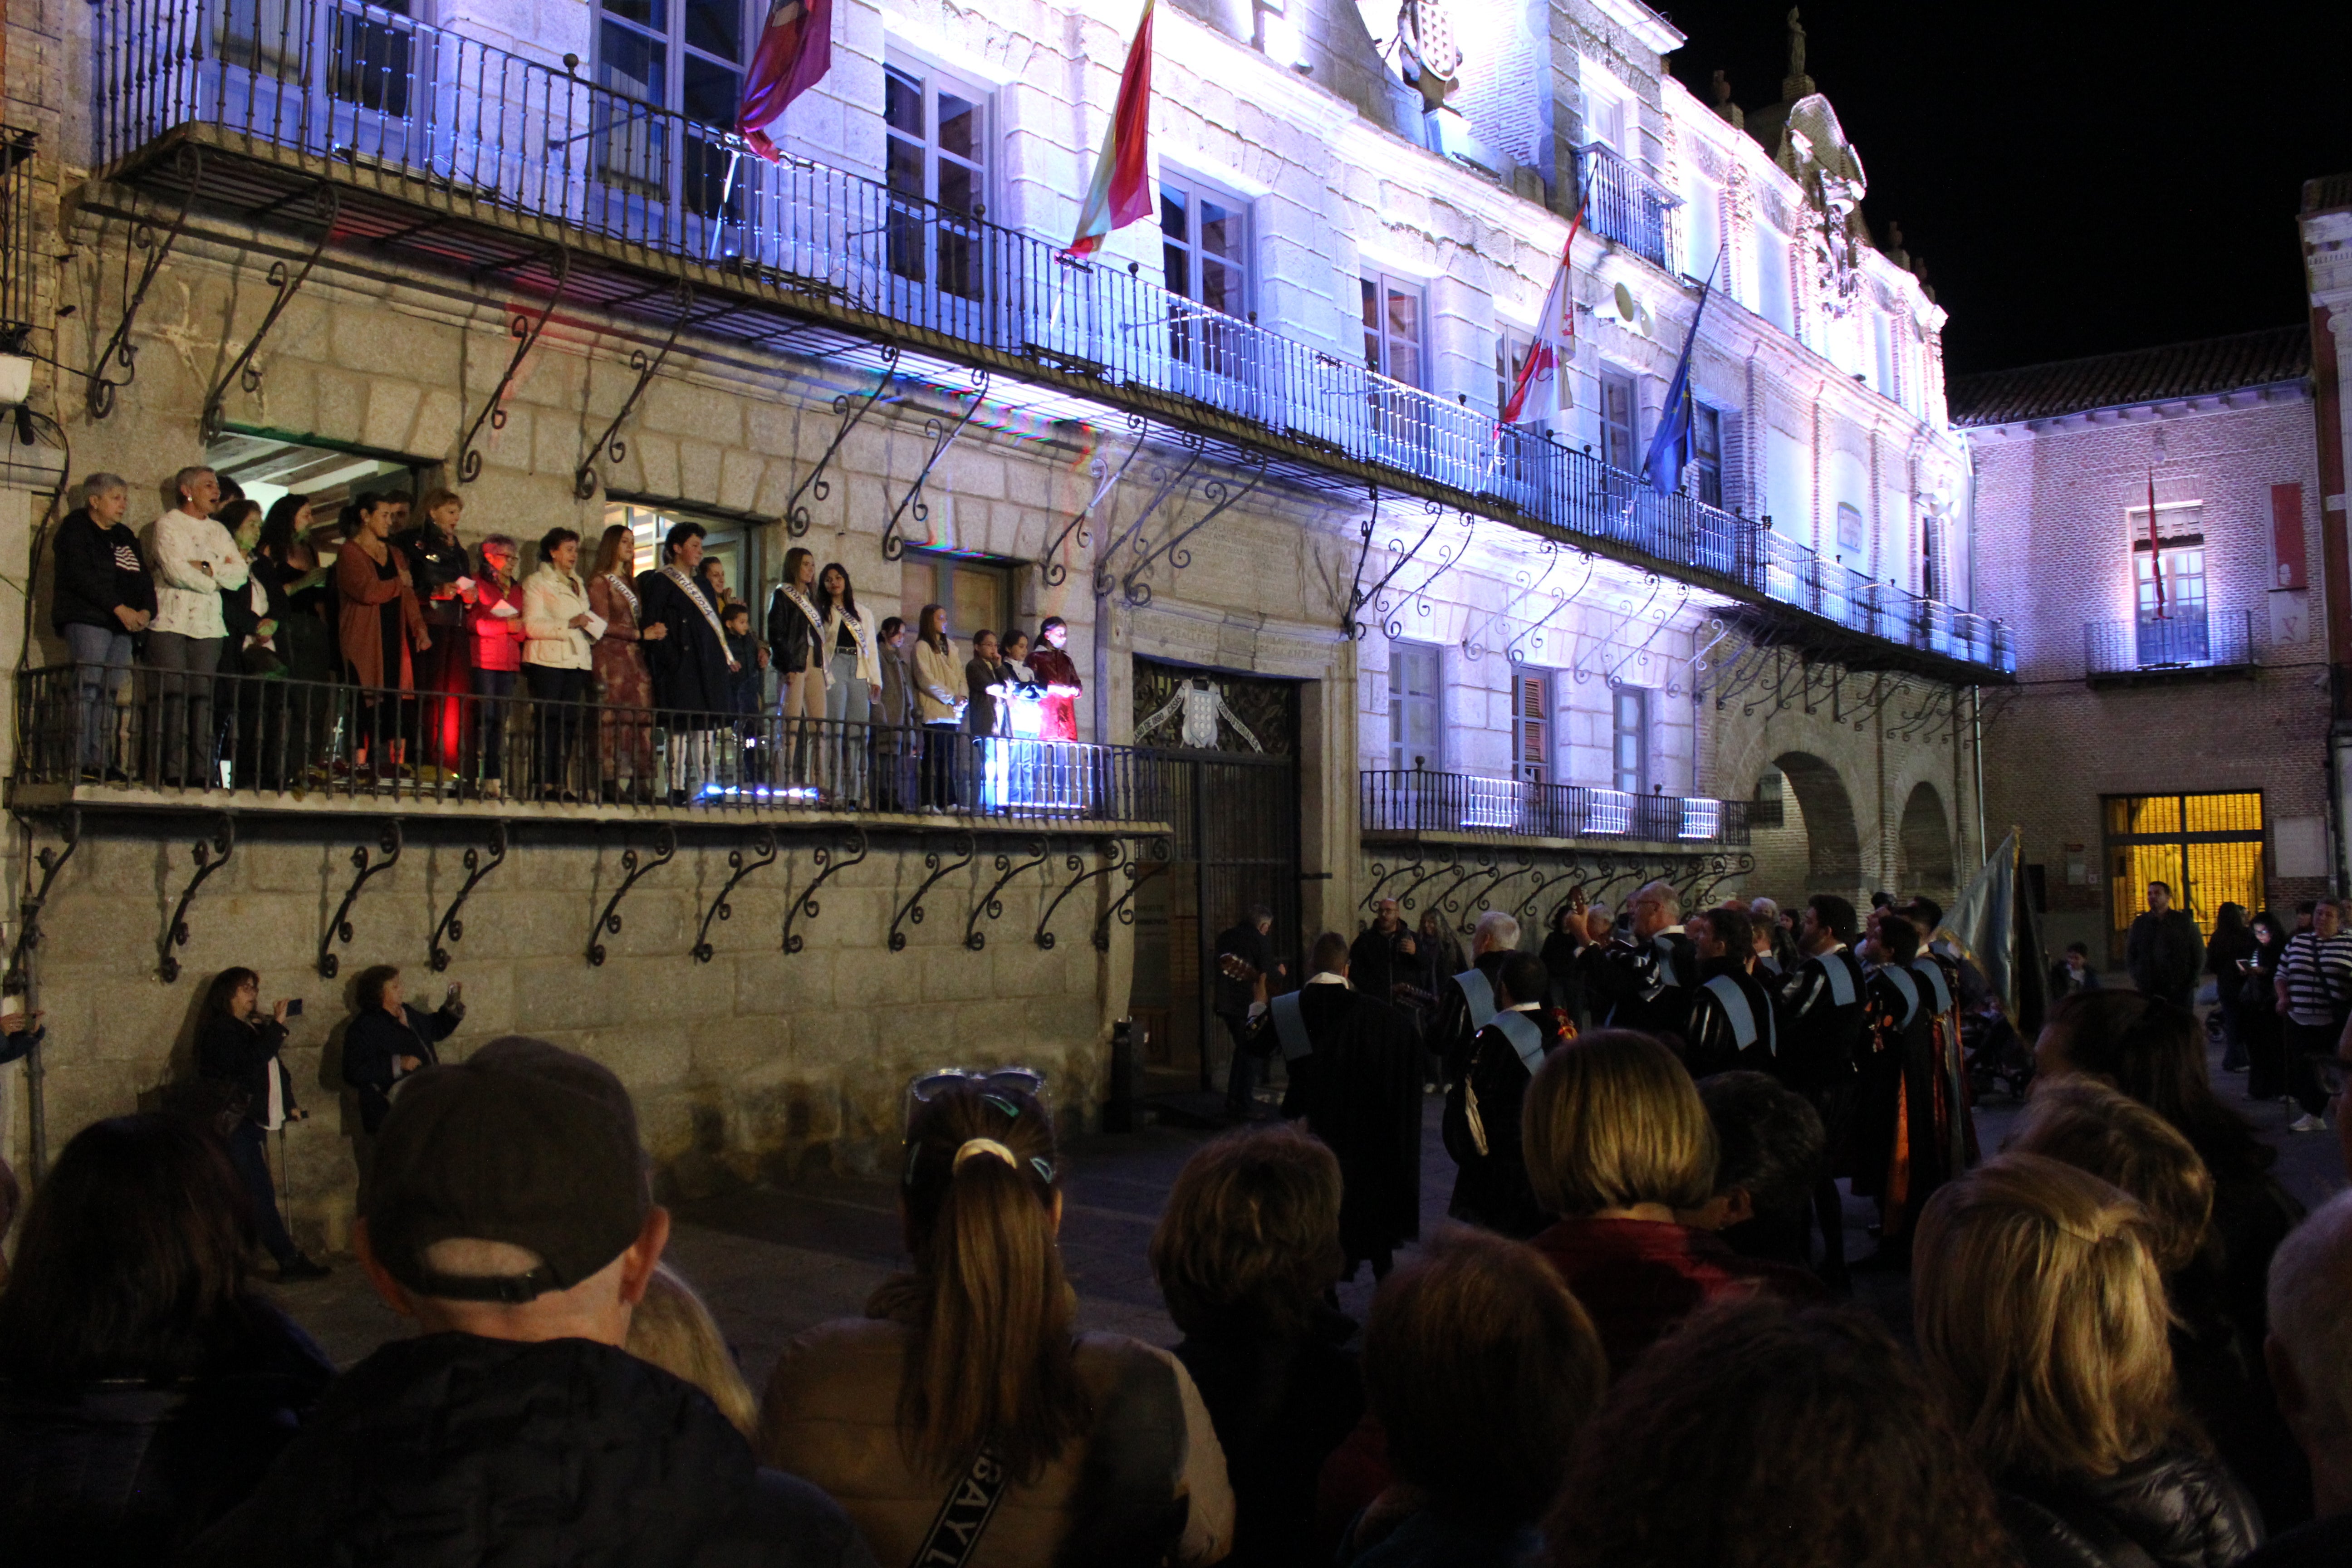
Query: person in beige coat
[
  {"x": 939, "y": 705},
  {"x": 560, "y": 632},
  {"x": 963, "y": 1419}
]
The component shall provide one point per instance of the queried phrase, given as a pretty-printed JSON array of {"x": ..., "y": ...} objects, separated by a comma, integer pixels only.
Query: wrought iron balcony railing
[
  {"x": 17, "y": 275},
  {"x": 1420, "y": 802},
  {"x": 2185, "y": 640},
  {"x": 400, "y": 104},
  {"x": 279, "y": 742},
  {"x": 1625, "y": 205}
]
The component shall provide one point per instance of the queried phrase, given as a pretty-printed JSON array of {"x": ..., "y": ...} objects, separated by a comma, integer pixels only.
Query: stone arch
[
  {"x": 1924, "y": 846},
  {"x": 1817, "y": 849}
]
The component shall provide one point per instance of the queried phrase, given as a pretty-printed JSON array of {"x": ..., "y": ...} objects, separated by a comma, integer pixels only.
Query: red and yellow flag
[{"x": 1121, "y": 191}]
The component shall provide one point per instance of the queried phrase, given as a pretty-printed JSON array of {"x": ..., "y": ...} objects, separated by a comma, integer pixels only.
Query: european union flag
[{"x": 1664, "y": 464}]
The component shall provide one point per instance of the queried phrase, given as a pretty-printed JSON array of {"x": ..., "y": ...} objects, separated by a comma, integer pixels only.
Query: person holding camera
[
  {"x": 389, "y": 1039},
  {"x": 236, "y": 1054}
]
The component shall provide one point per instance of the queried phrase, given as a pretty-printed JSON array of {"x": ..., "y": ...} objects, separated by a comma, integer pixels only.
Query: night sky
[{"x": 2081, "y": 178}]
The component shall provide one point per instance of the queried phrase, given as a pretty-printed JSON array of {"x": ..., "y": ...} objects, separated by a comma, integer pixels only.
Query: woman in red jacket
[{"x": 494, "y": 622}]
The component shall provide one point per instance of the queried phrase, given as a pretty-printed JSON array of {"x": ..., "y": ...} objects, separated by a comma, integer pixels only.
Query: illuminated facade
[{"x": 1249, "y": 449}]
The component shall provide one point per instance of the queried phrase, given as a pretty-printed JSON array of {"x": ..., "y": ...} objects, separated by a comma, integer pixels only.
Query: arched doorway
[
  {"x": 1816, "y": 848},
  {"x": 1926, "y": 846}
]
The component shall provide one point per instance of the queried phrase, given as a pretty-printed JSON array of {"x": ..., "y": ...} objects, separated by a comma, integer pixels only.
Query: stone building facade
[
  {"x": 2180, "y": 736},
  {"x": 1250, "y": 450}
]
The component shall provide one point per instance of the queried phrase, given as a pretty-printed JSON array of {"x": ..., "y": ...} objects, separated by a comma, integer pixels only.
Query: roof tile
[{"x": 2139, "y": 376}]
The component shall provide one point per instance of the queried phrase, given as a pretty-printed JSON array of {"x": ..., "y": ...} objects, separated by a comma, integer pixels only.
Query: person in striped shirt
[{"x": 2315, "y": 993}]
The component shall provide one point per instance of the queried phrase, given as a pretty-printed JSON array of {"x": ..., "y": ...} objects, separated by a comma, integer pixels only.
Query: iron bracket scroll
[
  {"x": 1725, "y": 866},
  {"x": 211, "y": 855},
  {"x": 99, "y": 389},
  {"x": 830, "y": 860},
  {"x": 1446, "y": 562},
  {"x": 1111, "y": 856},
  {"x": 1448, "y": 860},
  {"x": 911, "y": 911},
  {"x": 1050, "y": 569},
  {"x": 633, "y": 867},
  {"x": 988, "y": 904},
  {"x": 1170, "y": 481},
  {"x": 1383, "y": 876},
  {"x": 738, "y": 866},
  {"x": 340, "y": 928},
  {"x": 584, "y": 477},
  {"x": 242, "y": 371},
  {"x": 28, "y": 909},
  {"x": 943, "y": 435},
  {"x": 1159, "y": 856},
  {"x": 525, "y": 331},
  {"x": 852, "y": 413},
  {"x": 477, "y": 866},
  {"x": 1222, "y": 496}
]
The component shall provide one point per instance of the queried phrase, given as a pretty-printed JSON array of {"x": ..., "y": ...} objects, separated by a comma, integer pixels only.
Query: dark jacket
[
  {"x": 744, "y": 682},
  {"x": 1279, "y": 1411},
  {"x": 1644, "y": 986},
  {"x": 688, "y": 666},
  {"x": 124, "y": 1472},
  {"x": 979, "y": 675},
  {"x": 1375, "y": 960},
  {"x": 1491, "y": 1188},
  {"x": 1450, "y": 1033},
  {"x": 97, "y": 569},
  {"x": 239, "y": 1055},
  {"x": 2178, "y": 1509},
  {"x": 450, "y": 1450},
  {"x": 791, "y": 636},
  {"x": 1711, "y": 1040},
  {"x": 1251, "y": 945},
  {"x": 1359, "y": 1090},
  {"x": 435, "y": 561},
  {"x": 1822, "y": 1041},
  {"x": 376, "y": 1041},
  {"x": 2165, "y": 953}
]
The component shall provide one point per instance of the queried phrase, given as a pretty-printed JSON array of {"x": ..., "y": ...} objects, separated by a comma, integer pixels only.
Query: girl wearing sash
[
  {"x": 851, "y": 672},
  {"x": 625, "y": 688},
  {"x": 689, "y": 662},
  {"x": 796, "y": 648},
  {"x": 964, "y": 1421}
]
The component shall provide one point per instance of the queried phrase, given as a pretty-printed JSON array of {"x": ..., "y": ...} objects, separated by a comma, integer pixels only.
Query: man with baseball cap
[{"x": 511, "y": 1216}]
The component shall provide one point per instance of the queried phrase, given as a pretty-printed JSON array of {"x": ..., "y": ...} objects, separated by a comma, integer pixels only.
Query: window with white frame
[
  {"x": 1773, "y": 301},
  {"x": 1393, "y": 326},
  {"x": 1632, "y": 770},
  {"x": 1609, "y": 115},
  {"x": 937, "y": 128},
  {"x": 2178, "y": 557},
  {"x": 685, "y": 56},
  {"x": 1706, "y": 453},
  {"x": 1413, "y": 706},
  {"x": 1620, "y": 421},
  {"x": 1204, "y": 248}
]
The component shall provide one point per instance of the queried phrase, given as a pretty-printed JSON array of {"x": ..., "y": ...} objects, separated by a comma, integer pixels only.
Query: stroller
[{"x": 1995, "y": 1053}]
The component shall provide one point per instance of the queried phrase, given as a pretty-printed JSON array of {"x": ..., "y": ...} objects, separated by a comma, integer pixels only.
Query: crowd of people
[
  {"x": 418, "y": 658},
  {"x": 2126, "y": 1343}
]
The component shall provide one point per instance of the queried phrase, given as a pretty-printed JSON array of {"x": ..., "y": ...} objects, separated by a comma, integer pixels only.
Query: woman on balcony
[
  {"x": 557, "y": 658},
  {"x": 624, "y": 687},
  {"x": 690, "y": 664},
  {"x": 851, "y": 674},
  {"x": 438, "y": 565},
  {"x": 937, "y": 681},
  {"x": 494, "y": 623},
  {"x": 796, "y": 648},
  {"x": 379, "y": 623},
  {"x": 285, "y": 560},
  {"x": 104, "y": 600}
]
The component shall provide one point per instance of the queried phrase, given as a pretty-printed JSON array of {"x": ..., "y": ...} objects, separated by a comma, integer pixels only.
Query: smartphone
[{"x": 294, "y": 1007}]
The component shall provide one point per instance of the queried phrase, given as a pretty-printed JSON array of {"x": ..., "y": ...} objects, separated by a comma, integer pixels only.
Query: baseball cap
[{"x": 522, "y": 1143}]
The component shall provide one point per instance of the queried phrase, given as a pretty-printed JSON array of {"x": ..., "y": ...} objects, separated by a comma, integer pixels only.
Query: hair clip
[
  {"x": 1044, "y": 1167},
  {"x": 1002, "y": 1104}
]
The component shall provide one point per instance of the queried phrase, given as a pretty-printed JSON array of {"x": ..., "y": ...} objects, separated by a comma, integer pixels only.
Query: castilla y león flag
[
  {"x": 1122, "y": 192},
  {"x": 795, "y": 51},
  {"x": 1555, "y": 340}
]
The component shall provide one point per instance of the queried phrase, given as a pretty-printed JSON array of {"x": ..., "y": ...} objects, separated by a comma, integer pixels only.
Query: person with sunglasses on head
[{"x": 963, "y": 1422}]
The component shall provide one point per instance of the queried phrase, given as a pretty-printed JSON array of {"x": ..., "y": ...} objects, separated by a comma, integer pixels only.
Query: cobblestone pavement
[{"x": 772, "y": 1261}]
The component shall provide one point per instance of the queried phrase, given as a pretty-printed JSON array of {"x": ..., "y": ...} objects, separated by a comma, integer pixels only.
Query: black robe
[
  {"x": 1629, "y": 988},
  {"x": 1490, "y": 1186},
  {"x": 1359, "y": 1091},
  {"x": 1711, "y": 1043},
  {"x": 689, "y": 665},
  {"x": 1452, "y": 1035},
  {"x": 1822, "y": 1042}
]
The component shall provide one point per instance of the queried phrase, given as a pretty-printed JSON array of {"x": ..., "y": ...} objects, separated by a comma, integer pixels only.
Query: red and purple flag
[
  {"x": 795, "y": 52},
  {"x": 1555, "y": 338},
  {"x": 1121, "y": 191}
]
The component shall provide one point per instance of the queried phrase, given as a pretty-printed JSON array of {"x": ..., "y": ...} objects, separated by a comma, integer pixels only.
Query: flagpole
[{"x": 726, "y": 190}]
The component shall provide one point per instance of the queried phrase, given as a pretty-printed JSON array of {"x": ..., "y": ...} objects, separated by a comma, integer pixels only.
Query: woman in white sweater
[
  {"x": 559, "y": 629},
  {"x": 195, "y": 561},
  {"x": 939, "y": 680}
]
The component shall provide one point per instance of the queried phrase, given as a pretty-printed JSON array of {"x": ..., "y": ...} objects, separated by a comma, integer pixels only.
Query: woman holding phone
[{"x": 236, "y": 1054}]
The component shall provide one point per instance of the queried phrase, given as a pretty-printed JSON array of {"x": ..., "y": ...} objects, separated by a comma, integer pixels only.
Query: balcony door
[
  {"x": 937, "y": 161},
  {"x": 1413, "y": 706},
  {"x": 1531, "y": 725},
  {"x": 1395, "y": 329},
  {"x": 676, "y": 67},
  {"x": 1204, "y": 254}
]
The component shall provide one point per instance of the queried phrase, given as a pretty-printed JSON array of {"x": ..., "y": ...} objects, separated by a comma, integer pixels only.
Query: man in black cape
[
  {"x": 1733, "y": 1024},
  {"x": 1825, "y": 1037},
  {"x": 1355, "y": 1077},
  {"x": 1649, "y": 985},
  {"x": 690, "y": 665},
  {"x": 1482, "y": 1106}
]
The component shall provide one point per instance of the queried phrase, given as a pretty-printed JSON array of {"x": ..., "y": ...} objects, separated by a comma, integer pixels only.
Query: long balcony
[
  {"x": 2185, "y": 643},
  {"x": 1418, "y": 803},
  {"x": 458, "y": 155},
  {"x": 1625, "y": 206},
  {"x": 247, "y": 742}
]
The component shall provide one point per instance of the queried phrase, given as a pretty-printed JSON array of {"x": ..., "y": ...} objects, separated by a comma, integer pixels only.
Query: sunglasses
[{"x": 997, "y": 1087}]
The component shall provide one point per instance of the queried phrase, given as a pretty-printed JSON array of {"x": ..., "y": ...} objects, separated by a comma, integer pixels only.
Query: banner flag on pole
[
  {"x": 1121, "y": 191},
  {"x": 795, "y": 50},
  {"x": 1993, "y": 928},
  {"x": 2154, "y": 547},
  {"x": 1555, "y": 340},
  {"x": 1664, "y": 464}
]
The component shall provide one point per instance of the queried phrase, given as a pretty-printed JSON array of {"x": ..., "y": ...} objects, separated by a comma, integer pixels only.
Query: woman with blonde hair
[
  {"x": 964, "y": 1415},
  {"x": 625, "y": 688},
  {"x": 2039, "y": 1310},
  {"x": 674, "y": 1329},
  {"x": 1620, "y": 1148}
]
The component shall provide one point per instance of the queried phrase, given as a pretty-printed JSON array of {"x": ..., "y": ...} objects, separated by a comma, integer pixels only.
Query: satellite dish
[{"x": 1627, "y": 311}]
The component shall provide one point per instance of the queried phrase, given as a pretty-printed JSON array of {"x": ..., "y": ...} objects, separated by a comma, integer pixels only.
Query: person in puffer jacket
[
  {"x": 510, "y": 1215},
  {"x": 2039, "y": 1311},
  {"x": 962, "y": 1420}
]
